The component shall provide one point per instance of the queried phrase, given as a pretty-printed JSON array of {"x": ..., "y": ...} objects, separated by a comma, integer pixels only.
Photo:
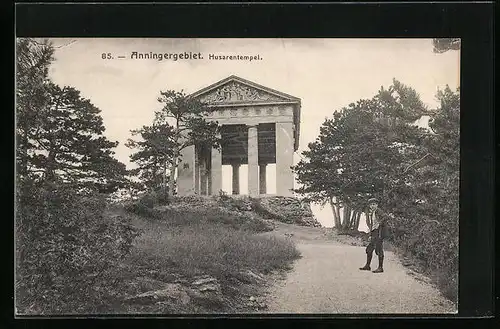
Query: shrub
[
  {"x": 163, "y": 197},
  {"x": 261, "y": 210},
  {"x": 148, "y": 200},
  {"x": 223, "y": 195},
  {"x": 434, "y": 242},
  {"x": 145, "y": 204},
  {"x": 64, "y": 247}
]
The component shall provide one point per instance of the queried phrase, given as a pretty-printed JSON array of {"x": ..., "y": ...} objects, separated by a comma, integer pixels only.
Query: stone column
[
  {"x": 253, "y": 161},
  {"x": 216, "y": 171},
  {"x": 284, "y": 158},
  {"x": 236, "y": 177},
  {"x": 262, "y": 178}
]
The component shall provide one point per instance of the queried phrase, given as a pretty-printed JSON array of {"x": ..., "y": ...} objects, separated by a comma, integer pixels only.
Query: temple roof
[{"x": 236, "y": 91}]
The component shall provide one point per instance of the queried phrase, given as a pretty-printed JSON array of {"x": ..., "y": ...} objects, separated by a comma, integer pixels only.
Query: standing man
[{"x": 376, "y": 223}]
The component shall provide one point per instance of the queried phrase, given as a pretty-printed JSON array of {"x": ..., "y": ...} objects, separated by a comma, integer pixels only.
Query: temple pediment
[
  {"x": 239, "y": 101},
  {"x": 235, "y": 90},
  {"x": 259, "y": 126}
]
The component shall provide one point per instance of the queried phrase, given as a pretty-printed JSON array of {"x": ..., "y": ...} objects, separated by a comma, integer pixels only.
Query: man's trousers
[{"x": 376, "y": 242}]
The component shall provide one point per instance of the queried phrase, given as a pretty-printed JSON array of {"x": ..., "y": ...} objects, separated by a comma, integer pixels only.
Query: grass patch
[
  {"x": 183, "y": 241},
  {"x": 214, "y": 249}
]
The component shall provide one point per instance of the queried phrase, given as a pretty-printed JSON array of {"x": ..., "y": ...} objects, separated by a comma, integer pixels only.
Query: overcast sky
[{"x": 327, "y": 74}]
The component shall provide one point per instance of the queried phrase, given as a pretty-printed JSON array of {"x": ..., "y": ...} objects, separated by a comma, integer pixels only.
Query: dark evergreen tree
[
  {"x": 32, "y": 96},
  {"x": 362, "y": 151},
  {"x": 59, "y": 133},
  {"x": 179, "y": 124},
  {"x": 153, "y": 156}
]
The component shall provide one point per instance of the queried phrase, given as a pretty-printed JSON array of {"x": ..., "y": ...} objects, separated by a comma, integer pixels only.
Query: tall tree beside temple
[
  {"x": 349, "y": 162},
  {"x": 179, "y": 124},
  {"x": 68, "y": 144},
  {"x": 154, "y": 155},
  {"x": 361, "y": 152}
]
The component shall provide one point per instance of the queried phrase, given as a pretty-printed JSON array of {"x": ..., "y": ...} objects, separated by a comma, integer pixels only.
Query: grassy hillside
[
  {"x": 196, "y": 255},
  {"x": 78, "y": 254}
]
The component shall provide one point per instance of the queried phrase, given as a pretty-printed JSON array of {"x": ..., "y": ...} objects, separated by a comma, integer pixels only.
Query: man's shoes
[
  {"x": 378, "y": 270},
  {"x": 368, "y": 262}
]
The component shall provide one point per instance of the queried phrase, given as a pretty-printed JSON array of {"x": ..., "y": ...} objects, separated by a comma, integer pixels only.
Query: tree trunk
[
  {"x": 352, "y": 221},
  {"x": 337, "y": 209},
  {"x": 355, "y": 222},
  {"x": 49, "y": 169},
  {"x": 347, "y": 217},
  {"x": 164, "y": 186},
  {"x": 172, "y": 183},
  {"x": 336, "y": 217},
  {"x": 22, "y": 147},
  {"x": 23, "y": 150}
]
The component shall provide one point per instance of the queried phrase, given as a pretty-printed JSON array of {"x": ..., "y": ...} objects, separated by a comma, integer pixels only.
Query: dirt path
[{"x": 327, "y": 280}]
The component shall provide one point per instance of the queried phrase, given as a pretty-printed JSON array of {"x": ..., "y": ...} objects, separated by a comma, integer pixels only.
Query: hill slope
[{"x": 204, "y": 254}]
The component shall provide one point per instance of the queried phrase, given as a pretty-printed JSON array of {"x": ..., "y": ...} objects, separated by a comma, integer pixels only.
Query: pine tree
[
  {"x": 32, "y": 67},
  {"x": 179, "y": 124},
  {"x": 153, "y": 156},
  {"x": 68, "y": 144},
  {"x": 361, "y": 152},
  {"x": 59, "y": 133}
]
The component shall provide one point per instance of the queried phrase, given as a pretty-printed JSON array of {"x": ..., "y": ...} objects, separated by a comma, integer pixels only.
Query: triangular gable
[{"x": 233, "y": 90}]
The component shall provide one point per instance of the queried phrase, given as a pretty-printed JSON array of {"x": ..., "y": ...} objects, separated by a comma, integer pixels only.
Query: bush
[
  {"x": 144, "y": 206},
  {"x": 64, "y": 247},
  {"x": 261, "y": 210},
  {"x": 434, "y": 243},
  {"x": 148, "y": 200}
]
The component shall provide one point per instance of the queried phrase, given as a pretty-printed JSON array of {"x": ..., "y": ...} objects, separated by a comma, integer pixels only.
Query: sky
[{"x": 326, "y": 74}]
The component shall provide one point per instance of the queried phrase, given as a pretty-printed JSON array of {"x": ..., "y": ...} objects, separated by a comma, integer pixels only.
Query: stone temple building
[{"x": 259, "y": 126}]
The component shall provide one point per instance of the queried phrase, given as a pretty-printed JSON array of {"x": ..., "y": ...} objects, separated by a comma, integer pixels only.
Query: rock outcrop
[
  {"x": 173, "y": 292},
  {"x": 178, "y": 293},
  {"x": 187, "y": 295},
  {"x": 289, "y": 210}
]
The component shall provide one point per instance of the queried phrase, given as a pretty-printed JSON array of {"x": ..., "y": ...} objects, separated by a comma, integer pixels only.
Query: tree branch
[{"x": 417, "y": 162}]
